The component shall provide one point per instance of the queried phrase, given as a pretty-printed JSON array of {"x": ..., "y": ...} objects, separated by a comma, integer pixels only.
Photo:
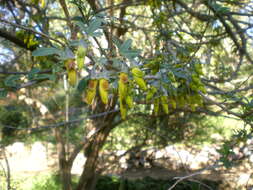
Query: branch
[
  {"x": 221, "y": 106},
  {"x": 192, "y": 175},
  {"x": 30, "y": 83},
  {"x": 75, "y": 153},
  {"x": 93, "y": 4},
  {"x": 8, "y": 179},
  {"x": 25, "y": 85},
  {"x": 199, "y": 16},
  {"x": 66, "y": 12},
  {"x": 74, "y": 121},
  {"x": 12, "y": 38},
  {"x": 32, "y": 30},
  {"x": 240, "y": 48},
  {"x": 121, "y": 5},
  {"x": 120, "y": 30},
  {"x": 23, "y": 73}
]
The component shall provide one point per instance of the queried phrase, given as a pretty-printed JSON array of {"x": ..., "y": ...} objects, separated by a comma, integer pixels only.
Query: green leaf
[
  {"x": 220, "y": 9},
  {"x": 43, "y": 51},
  {"x": 116, "y": 42},
  {"x": 93, "y": 26},
  {"x": 82, "y": 84},
  {"x": 81, "y": 25},
  {"x": 180, "y": 73},
  {"x": 78, "y": 43},
  {"x": 97, "y": 34},
  {"x": 126, "y": 45},
  {"x": 67, "y": 54},
  {"x": 130, "y": 54},
  {"x": 52, "y": 77},
  {"x": 125, "y": 49},
  {"x": 77, "y": 18},
  {"x": 43, "y": 76},
  {"x": 32, "y": 73},
  {"x": 12, "y": 80},
  {"x": 57, "y": 68},
  {"x": 102, "y": 61},
  {"x": 3, "y": 93}
]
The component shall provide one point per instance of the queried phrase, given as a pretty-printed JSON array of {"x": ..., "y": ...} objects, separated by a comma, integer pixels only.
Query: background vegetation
[{"x": 95, "y": 77}]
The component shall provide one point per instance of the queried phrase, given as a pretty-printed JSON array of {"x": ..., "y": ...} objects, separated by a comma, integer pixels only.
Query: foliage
[
  {"x": 52, "y": 182},
  {"x": 12, "y": 118},
  {"x": 114, "y": 183},
  {"x": 190, "y": 130},
  {"x": 46, "y": 182},
  {"x": 229, "y": 155},
  {"x": 195, "y": 61}
]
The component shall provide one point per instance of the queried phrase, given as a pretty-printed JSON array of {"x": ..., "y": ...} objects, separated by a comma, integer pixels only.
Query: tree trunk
[
  {"x": 64, "y": 166},
  {"x": 8, "y": 175},
  {"x": 87, "y": 180},
  {"x": 65, "y": 172}
]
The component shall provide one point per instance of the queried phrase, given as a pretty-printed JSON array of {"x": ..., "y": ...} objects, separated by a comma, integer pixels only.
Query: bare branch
[
  {"x": 180, "y": 179},
  {"x": 22, "y": 73},
  {"x": 66, "y": 12}
]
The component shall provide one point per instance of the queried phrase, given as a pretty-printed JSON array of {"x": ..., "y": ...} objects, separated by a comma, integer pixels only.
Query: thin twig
[
  {"x": 192, "y": 175},
  {"x": 64, "y": 123},
  {"x": 23, "y": 73}
]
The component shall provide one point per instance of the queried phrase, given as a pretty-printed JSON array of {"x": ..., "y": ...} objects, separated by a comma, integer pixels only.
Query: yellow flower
[
  {"x": 81, "y": 53},
  {"x": 103, "y": 90},
  {"x": 123, "y": 110},
  {"x": 123, "y": 80},
  {"x": 150, "y": 94},
  {"x": 137, "y": 72},
  {"x": 156, "y": 106},
  {"x": 164, "y": 102},
  {"x": 138, "y": 77},
  {"x": 129, "y": 101},
  {"x": 72, "y": 77},
  {"x": 141, "y": 83},
  {"x": 91, "y": 91}
]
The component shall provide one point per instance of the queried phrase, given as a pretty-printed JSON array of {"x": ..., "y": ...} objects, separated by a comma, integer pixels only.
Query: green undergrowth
[
  {"x": 52, "y": 182},
  {"x": 116, "y": 183}
]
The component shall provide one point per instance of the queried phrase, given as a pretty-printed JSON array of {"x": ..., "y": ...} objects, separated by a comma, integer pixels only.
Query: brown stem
[
  {"x": 8, "y": 177},
  {"x": 29, "y": 30},
  {"x": 65, "y": 168},
  {"x": 86, "y": 181},
  {"x": 66, "y": 12},
  {"x": 12, "y": 38}
]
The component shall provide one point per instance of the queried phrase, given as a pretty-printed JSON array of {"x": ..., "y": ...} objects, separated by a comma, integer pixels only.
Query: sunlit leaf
[
  {"x": 93, "y": 26},
  {"x": 32, "y": 73},
  {"x": 126, "y": 45},
  {"x": 67, "y": 54},
  {"x": 43, "y": 51},
  {"x": 130, "y": 54},
  {"x": 12, "y": 80}
]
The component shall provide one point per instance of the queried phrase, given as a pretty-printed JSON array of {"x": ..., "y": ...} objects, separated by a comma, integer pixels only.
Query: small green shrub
[
  {"x": 115, "y": 183},
  {"x": 51, "y": 182}
]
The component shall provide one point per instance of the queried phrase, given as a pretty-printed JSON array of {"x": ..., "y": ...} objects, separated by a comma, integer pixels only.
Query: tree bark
[
  {"x": 88, "y": 178},
  {"x": 8, "y": 176},
  {"x": 64, "y": 166}
]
